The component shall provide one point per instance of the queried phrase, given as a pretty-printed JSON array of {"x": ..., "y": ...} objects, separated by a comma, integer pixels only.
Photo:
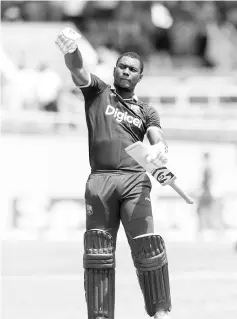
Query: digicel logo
[{"x": 122, "y": 116}]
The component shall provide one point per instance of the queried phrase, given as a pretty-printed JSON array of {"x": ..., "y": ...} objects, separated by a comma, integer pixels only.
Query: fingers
[
  {"x": 70, "y": 34},
  {"x": 159, "y": 160},
  {"x": 66, "y": 40},
  {"x": 66, "y": 45},
  {"x": 157, "y": 154},
  {"x": 160, "y": 156},
  {"x": 149, "y": 158}
]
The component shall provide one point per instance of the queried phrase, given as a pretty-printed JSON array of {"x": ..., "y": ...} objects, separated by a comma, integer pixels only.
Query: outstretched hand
[{"x": 66, "y": 40}]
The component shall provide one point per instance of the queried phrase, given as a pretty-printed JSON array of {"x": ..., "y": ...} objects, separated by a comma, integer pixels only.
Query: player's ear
[
  {"x": 141, "y": 76},
  {"x": 114, "y": 71}
]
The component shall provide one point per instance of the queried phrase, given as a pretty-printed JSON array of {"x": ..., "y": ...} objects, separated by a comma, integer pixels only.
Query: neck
[{"x": 124, "y": 94}]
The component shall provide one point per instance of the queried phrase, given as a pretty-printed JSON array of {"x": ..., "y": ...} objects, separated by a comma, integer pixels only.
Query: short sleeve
[
  {"x": 93, "y": 88},
  {"x": 152, "y": 117}
]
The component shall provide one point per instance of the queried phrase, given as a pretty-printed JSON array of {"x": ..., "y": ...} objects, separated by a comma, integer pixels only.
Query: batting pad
[
  {"x": 150, "y": 260},
  {"x": 99, "y": 274}
]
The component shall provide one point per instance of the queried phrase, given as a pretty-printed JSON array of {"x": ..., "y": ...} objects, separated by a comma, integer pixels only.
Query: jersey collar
[{"x": 134, "y": 98}]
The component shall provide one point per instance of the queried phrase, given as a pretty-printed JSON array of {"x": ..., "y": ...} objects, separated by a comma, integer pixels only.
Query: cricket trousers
[
  {"x": 116, "y": 196},
  {"x": 112, "y": 197}
]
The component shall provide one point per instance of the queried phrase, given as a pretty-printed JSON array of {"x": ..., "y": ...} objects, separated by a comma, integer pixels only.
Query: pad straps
[
  {"x": 150, "y": 260},
  {"x": 99, "y": 274},
  {"x": 150, "y": 263},
  {"x": 149, "y": 252},
  {"x": 98, "y": 250}
]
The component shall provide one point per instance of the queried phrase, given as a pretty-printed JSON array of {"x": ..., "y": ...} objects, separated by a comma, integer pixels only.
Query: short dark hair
[{"x": 133, "y": 55}]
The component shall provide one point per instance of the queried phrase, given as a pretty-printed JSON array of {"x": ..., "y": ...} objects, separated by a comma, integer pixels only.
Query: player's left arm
[{"x": 155, "y": 136}]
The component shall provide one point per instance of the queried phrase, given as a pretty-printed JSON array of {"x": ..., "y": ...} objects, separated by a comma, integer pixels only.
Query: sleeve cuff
[
  {"x": 153, "y": 126},
  {"x": 87, "y": 85}
]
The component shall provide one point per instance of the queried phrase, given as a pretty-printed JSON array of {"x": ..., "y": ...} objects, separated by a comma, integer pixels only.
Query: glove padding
[
  {"x": 158, "y": 154},
  {"x": 66, "y": 40}
]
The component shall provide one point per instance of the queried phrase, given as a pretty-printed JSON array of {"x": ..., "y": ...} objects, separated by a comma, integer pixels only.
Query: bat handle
[{"x": 185, "y": 196}]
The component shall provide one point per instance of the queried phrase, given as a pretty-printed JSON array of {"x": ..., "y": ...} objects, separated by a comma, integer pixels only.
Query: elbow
[{"x": 81, "y": 78}]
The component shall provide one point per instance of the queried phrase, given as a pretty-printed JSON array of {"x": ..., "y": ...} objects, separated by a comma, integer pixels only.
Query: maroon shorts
[{"x": 112, "y": 197}]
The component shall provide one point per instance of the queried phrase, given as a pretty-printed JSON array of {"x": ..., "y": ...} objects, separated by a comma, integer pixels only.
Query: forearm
[
  {"x": 66, "y": 41},
  {"x": 155, "y": 135},
  {"x": 74, "y": 61},
  {"x": 158, "y": 148}
]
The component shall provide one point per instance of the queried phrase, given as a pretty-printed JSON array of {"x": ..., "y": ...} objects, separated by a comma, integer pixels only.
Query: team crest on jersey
[
  {"x": 135, "y": 108},
  {"x": 89, "y": 210}
]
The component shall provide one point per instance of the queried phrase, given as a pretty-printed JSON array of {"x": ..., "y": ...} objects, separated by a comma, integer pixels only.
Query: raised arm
[{"x": 66, "y": 41}]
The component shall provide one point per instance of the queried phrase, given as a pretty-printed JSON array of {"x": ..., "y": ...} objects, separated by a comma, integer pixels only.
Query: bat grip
[{"x": 185, "y": 196}]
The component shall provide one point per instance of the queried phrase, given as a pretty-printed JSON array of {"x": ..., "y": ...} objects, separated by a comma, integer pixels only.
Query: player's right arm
[
  {"x": 74, "y": 62},
  {"x": 89, "y": 83},
  {"x": 66, "y": 41}
]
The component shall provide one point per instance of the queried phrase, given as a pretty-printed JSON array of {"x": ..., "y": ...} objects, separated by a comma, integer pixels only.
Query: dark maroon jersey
[{"x": 113, "y": 124}]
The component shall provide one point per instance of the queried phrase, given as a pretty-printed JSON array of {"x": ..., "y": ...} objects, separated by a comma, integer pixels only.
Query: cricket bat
[{"x": 139, "y": 151}]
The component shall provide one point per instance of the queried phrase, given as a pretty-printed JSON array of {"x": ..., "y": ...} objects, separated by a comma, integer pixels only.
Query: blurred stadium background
[{"x": 190, "y": 54}]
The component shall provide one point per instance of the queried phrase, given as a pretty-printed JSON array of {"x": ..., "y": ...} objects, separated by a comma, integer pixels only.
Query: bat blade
[{"x": 139, "y": 151}]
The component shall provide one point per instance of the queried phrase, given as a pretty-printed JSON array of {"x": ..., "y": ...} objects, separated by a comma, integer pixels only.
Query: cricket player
[
  {"x": 118, "y": 188},
  {"x": 206, "y": 200}
]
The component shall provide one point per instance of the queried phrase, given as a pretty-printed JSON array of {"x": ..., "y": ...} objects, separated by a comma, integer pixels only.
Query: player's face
[{"x": 127, "y": 73}]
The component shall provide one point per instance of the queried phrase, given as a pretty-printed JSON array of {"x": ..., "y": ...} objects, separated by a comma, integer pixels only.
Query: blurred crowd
[
  {"x": 169, "y": 35},
  {"x": 203, "y": 33},
  {"x": 38, "y": 88}
]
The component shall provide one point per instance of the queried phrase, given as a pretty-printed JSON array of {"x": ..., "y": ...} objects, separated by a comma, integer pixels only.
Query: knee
[
  {"x": 99, "y": 249},
  {"x": 148, "y": 252},
  {"x": 140, "y": 227}
]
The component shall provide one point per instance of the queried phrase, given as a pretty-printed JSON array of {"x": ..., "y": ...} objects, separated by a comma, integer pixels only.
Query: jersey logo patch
[
  {"x": 89, "y": 210},
  {"x": 135, "y": 108},
  {"x": 122, "y": 116}
]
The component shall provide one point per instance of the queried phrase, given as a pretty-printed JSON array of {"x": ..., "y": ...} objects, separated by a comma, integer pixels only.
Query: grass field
[{"x": 44, "y": 280}]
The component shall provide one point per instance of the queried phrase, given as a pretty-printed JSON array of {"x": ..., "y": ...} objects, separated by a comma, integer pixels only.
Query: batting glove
[
  {"x": 66, "y": 40},
  {"x": 158, "y": 154}
]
